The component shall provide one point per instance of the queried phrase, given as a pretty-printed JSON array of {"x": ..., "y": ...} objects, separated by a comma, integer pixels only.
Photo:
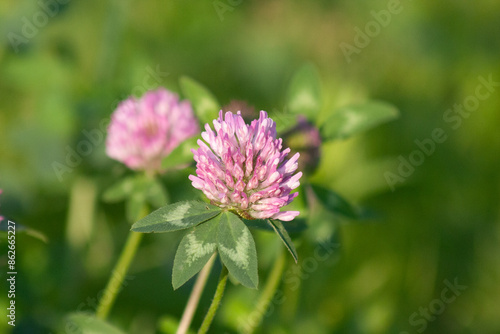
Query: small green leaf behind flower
[
  {"x": 335, "y": 203},
  {"x": 328, "y": 211},
  {"x": 181, "y": 155},
  {"x": 204, "y": 102},
  {"x": 353, "y": 119},
  {"x": 295, "y": 226},
  {"x": 284, "y": 121}
]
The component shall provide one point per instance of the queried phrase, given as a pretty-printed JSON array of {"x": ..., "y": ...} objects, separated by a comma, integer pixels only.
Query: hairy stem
[
  {"x": 116, "y": 280},
  {"x": 219, "y": 292}
]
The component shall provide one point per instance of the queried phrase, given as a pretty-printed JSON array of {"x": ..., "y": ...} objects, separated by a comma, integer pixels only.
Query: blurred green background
[{"x": 62, "y": 75}]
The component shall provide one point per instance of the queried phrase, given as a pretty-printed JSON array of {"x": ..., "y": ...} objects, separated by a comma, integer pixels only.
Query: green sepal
[{"x": 280, "y": 230}]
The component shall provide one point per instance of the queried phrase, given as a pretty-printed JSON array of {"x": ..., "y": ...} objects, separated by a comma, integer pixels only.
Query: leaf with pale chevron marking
[
  {"x": 237, "y": 250},
  {"x": 194, "y": 251},
  {"x": 177, "y": 216}
]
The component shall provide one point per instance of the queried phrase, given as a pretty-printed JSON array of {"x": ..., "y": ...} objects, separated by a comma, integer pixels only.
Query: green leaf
[
  {"x": 150, "y": 190},
  {"x": 85, "y": 323},
  {"x": 237, "y": 250},
  {"x": 177, "y": 216},
  {"x": 323, "y": 225},
  {"x": 194, "y": 251},
  {"x": 120, "y": 190},
  {"x": 137, "y": 190},
  {"x": 304, "y": 92},
  {"x": 204, "y": 102},
  {"x": 283, "y": 234},
  {"x": 258, "y": 224},
  {"x": 295, "y": 226},
  {"x": 284, "y": 121},
  {"x": 353, "y": 119},
  {"x": 182, "y": 154},
  {"x": 156, "y": 194},
  {"x": 334, "y": 203}
]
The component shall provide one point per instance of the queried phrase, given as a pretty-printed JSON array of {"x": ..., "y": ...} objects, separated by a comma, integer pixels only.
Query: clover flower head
[
  {"x": 243, "y": 168},
  {"x": 145, "y": 130}
]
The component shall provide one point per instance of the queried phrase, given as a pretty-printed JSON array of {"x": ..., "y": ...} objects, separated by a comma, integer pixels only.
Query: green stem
[
  {"x": 219, "y": 292},
  {"x": 194, "y": 298},
  {"x": 267, "y": 295},
  {"x": 116, "y": 280}
]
